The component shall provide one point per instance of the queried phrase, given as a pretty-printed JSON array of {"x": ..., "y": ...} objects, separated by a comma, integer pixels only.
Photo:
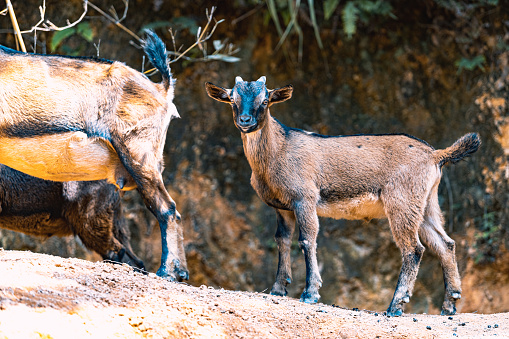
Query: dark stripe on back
[
  {"x": 83, "y": 58},
  {"x": 297, "y": 130},
  {"x": 28, "y": 129}
]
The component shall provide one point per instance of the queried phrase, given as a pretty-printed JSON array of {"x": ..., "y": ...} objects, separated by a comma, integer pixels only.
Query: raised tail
[
  {"x": 463, "y": 147},
  {"x": 156, "y": 51}
]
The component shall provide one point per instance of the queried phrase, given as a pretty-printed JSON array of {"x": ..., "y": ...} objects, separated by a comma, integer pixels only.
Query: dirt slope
[{"x": 44, "y": 296}]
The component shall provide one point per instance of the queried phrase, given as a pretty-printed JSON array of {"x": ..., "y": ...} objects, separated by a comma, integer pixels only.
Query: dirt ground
[{"x": 44, "y": 296}]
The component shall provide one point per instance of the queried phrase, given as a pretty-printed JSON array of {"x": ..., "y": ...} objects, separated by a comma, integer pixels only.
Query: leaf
[
  {"x": 218, "y": 44},
  {"x": 315, "y": 24},
  {"x": 184, "y": 22},
  {"x": 223, "y": 57},
  {"x": 329, "y": 6},
  {"x": 470, "y": 64},
  {"x": 85, "y": 31},
  {"x": 350, "y": 15},
  {"x": 59, "y": 36},
  {"x": 154, "y": 25}
]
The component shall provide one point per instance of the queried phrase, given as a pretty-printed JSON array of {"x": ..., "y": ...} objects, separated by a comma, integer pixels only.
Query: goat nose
[{"x": 246, "y": 119}]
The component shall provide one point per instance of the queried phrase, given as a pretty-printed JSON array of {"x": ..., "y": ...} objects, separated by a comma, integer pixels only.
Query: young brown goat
[
  {"x": 78, "y": 119},
  {"x": 89, "y": 209},
  {"x": 305, "y": 175}
]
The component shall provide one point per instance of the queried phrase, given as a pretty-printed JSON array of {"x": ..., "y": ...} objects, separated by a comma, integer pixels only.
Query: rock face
[{"x": 397, "y": 75}]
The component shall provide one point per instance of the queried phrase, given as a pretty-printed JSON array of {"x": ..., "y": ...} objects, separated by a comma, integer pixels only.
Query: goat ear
[
  {"x": 218, "y": 93},
  {"x": 280, "y": 94}
]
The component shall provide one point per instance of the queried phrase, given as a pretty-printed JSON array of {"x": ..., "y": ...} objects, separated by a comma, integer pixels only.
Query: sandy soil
[{"x": 44, "y": 296}]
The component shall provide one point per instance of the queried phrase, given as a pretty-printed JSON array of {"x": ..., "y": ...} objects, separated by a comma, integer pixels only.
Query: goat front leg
[
  {"x": 307, "y": 220},
  {"x": 143, "y": 168},
  {"x": 284, "y": 234}
]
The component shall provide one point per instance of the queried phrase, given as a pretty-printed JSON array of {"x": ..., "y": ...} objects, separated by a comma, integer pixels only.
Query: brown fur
[
  {"x": 89, "y": 209},
  {"x": 64, "y": 118},
  {"x": 304, "y": 175}
]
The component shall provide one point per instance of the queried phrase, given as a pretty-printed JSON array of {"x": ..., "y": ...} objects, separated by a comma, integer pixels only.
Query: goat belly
[
  {"x": 70, "y": 156},
  {"x": 366, "y": 206}
]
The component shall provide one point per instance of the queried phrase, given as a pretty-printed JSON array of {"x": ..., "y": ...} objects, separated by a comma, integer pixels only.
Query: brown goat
[
  {"x": 304, "y": 175},
  {"x": 89, "y": 209},
  {"x": 77, "y": 119}
]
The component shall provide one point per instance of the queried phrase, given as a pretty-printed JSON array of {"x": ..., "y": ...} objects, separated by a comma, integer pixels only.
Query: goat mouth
[{"x": 247, "y": 129}]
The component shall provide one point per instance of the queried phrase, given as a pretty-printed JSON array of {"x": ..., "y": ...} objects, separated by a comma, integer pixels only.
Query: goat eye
[{"x": 265, "y": 102}]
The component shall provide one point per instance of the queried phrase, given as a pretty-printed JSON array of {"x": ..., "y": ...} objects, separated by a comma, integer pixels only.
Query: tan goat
[
  {"x": 77, "y": 119},
  {"x": 304, "y": 175}
]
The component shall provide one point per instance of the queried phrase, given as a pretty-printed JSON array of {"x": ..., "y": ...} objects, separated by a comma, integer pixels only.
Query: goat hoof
[
  {"x": 183, "y": 274},
  {"x": 278, "y": 290},
  {"x": 450, "y": 311},
  {"x": 405, "y": 300},
  {"x": 394, "y": 312},
  {"x": 309, "y": 298}
]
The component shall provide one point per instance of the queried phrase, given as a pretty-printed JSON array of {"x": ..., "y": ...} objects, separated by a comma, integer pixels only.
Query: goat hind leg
[
  {"x": 284, "y": 234},
  {"x": 143, "y": 168},
  {"x": 433, "y": 235},
  {"x": 404, "y": 231}
]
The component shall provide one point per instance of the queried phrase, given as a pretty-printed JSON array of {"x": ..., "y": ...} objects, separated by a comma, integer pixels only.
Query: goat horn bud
[{"x": 262, "y": 79}]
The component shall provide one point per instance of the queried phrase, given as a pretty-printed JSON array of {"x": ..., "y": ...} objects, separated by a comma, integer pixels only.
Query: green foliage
[
  {"x": 329, "y": 7},
  {"x": 352, "y": 12},
  {"x": 179, "y": 23},
  {"x": 487, "y": 239},
  {"x": 363, "y": 10},
  {"x": 83, "y": 30},
  {"x": 470, "y": 64},
  {"x": 350, "y": 15}
]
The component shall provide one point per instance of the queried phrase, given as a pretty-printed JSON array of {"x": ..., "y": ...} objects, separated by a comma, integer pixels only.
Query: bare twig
[
  {"x": 15, "y": 25},
  {"x": 117, "y": 21},
  {"x": 48, "y": 26},
  {"x": 201, "y": 37}
]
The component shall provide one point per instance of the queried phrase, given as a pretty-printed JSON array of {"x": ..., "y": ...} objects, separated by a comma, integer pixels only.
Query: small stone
[
  {"x": 489, "y": 326},
  {"x": 428, "y": 327},
  {"x": 376, "y": 314},
  {"x": 415, "y": 320},
  {"x": 355, "y": 309},
  {"x": 495, "y": 326},
  {"x": 462, "y": 324},
  {"x": 450, "y": 318}
]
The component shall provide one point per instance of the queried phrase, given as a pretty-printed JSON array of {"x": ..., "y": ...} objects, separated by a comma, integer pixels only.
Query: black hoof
[
  {"x": 183, "y": 274},
  {"x": 309, "y": 298},
  {"x": 394, "y": 312},
  {"x": 278, "y": 290}
]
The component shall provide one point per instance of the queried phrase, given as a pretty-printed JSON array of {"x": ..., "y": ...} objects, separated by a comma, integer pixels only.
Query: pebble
[
  {"x": 428, "y": 327},
  {"x": 415, "y": 320}
]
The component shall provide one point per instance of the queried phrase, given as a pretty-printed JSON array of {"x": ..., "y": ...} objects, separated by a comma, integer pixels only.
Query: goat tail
[
  {"x": 156, "y": 52},
  {"x": 463, "y": 147}
]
